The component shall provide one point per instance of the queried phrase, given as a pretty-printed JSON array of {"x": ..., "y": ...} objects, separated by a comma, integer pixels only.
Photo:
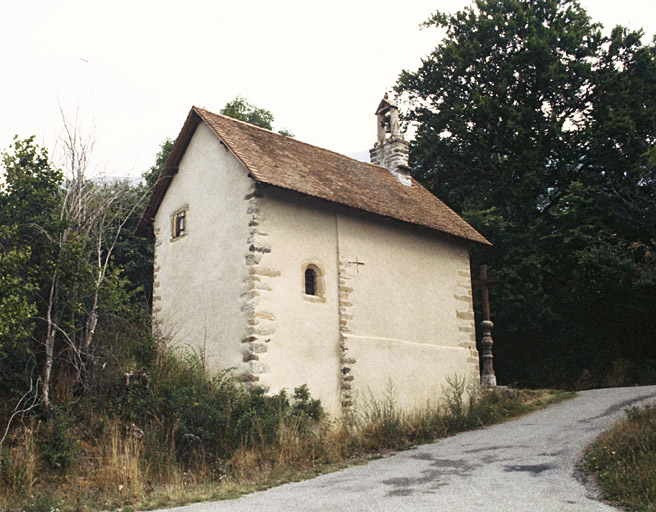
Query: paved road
[{"x": 524, "y": 465}]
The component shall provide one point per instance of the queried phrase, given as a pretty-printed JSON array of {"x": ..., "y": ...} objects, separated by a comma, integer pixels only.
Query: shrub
[
  {"x": 60, "y": 447},
  {"x": 173, "y": 430},
  {"x": 205, "y": 419},
  {"x": 623, "y": 460}
]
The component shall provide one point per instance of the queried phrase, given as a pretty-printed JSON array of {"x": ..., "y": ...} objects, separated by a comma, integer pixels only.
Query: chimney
[{"x": 391, "y": 149}]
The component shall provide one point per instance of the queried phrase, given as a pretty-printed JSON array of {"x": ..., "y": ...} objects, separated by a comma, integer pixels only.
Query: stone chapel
[{"x": 296, "y": 265}]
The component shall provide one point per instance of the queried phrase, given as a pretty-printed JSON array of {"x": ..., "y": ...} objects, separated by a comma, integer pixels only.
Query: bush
[
  {"x": 155, "y": 422},
  {"x": 60, "y": 448},
  {"x": 623, "y": 460},
  {"x": 201, "y": 418}
]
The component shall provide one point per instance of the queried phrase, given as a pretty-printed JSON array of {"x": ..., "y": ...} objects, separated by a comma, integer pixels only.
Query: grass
[
  {"x": 182, "y": 437},
  {"x": 624, "y": 461},
  {"x": 381, "y": 428}
]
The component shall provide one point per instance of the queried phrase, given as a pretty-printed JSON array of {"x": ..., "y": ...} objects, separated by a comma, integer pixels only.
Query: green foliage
[
  {"x": 286, "y": 133},
  {"x": 30, "y": 195},
  {"x": 153, "y": 173},
  {"x": 210, "y": 416},
  {"x": 539, "y": 131},
  {"x": 16, "y": 309},
  {"x": 623, "y": 460},
  {"x": 60, "y": 448},
  {"x": 304, "y": 406},
  {"x": 29, "y": 200},
  {"x": 456, "y": 410},
  {"x": 241, "y": 109}
]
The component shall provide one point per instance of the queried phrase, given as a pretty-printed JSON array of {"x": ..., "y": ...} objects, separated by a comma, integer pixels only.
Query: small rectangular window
[{"x": 179, "y": 224}]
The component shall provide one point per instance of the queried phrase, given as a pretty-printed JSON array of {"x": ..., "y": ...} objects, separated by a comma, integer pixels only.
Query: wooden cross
[
  {"x": 483, "y": 282},
  {"x": 488, "y": 378}
]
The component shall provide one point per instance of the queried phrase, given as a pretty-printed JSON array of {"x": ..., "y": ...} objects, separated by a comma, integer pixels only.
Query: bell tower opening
[{"x": 391, "y": 148}]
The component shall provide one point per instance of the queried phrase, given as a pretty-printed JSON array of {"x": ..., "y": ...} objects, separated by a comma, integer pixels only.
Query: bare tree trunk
[
  {"x": 104, "y": 250},
  {"x": 92, "y": 320},
  {"x": 50, "y": 347},
  {"x": 91, "y": 211}
]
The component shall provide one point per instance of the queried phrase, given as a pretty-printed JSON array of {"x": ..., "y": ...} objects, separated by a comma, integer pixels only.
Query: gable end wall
[{"x": 201, "y": 287}]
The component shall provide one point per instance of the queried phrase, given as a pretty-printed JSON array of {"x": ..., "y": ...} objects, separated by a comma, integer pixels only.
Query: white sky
[{"x": 132, "y": 69}]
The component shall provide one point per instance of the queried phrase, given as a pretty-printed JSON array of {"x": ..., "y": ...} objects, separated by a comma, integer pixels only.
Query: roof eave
[
  {"x": 480, "y": 239},
  {"x": 194, "y": 118}
]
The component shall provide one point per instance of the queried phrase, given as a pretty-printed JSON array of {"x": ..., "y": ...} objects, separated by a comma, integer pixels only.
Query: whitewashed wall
[
  {"x": 199, "y": 277},
  {"x": 412, "y": 325},
  {"x": 406, "y": 317}
]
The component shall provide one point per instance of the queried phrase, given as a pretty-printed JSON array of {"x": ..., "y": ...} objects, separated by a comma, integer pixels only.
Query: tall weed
[
  {"x": 624, "y": 462},
  {"x": 18, "y": 465},
  {"x": 122, "y": 469}
]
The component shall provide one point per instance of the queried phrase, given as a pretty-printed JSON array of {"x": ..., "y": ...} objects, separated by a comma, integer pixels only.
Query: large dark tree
[{"x": 540, "y": 131}]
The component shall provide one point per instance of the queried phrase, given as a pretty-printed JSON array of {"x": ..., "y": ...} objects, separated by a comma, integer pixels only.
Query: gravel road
[{"x": 524, "y": 465}]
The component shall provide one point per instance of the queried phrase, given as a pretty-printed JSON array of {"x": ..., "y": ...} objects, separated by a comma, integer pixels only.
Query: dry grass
[
  {"x": 624, "y": 461},
  {"x": 18, "y": 467},
  {"x": 121, "y": 471},
  {"x": 117, "y": 468},
  {"x": 381, "y": 428}
]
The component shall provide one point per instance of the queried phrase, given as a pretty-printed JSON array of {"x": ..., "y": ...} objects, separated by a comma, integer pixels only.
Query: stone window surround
[
  {"x": 320, "y": 285},
  {"x": 174, "y": 219}
]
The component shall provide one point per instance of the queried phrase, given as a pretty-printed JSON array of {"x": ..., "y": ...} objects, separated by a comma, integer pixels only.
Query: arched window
[
  {"x": 313, "y": 285},
  {"x": 310, "y": 281}
]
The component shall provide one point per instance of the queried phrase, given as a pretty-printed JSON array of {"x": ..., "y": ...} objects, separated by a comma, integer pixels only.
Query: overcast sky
[{"x": 133, "y": 69}]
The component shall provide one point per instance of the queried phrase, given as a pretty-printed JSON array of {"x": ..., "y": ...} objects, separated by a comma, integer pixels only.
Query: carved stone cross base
[{"x": 488, "y": 378}]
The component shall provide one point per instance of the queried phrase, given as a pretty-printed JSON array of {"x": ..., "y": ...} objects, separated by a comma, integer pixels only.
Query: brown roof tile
[{"x": 291, "y": 164}]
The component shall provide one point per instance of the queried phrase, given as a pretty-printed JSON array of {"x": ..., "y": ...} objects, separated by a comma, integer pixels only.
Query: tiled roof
[{"x": 287, "y": 163}]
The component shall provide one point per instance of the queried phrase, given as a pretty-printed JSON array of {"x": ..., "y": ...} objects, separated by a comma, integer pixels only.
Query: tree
[
  {"x": 134, "y": 254},
  {"x": 57, "y": 275},
  {"x": 539, "y": 131},
  {"x": 151, "y": 175},
  {"x": 28, "y": 217},
  {"x": 241, "y": 109}
]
